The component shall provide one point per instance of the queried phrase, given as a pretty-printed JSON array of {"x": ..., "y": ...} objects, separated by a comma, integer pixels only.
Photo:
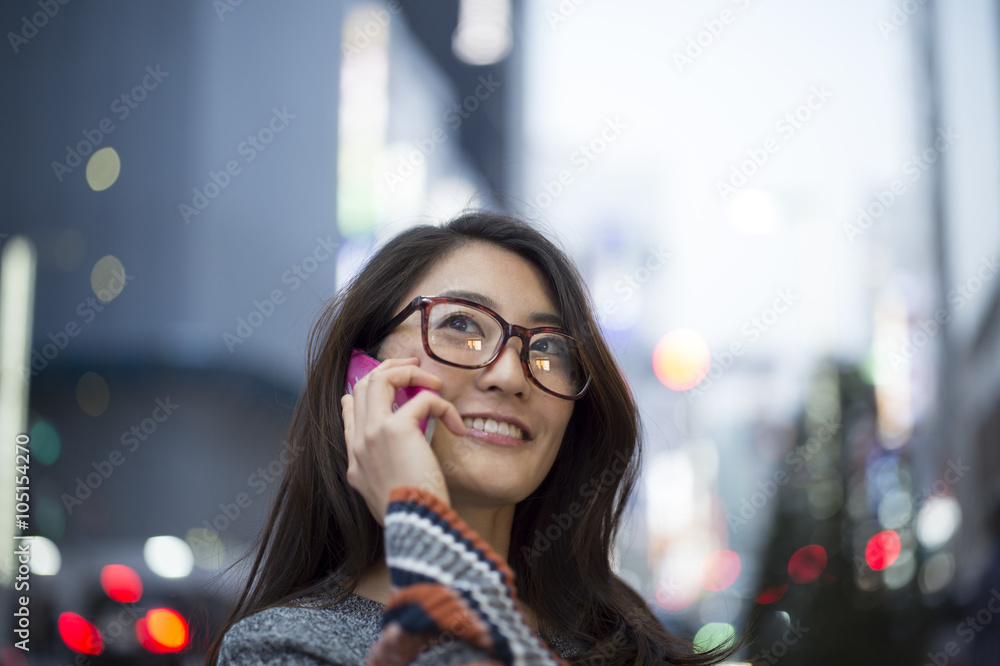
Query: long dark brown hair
[{"x": 319, "y": 528}]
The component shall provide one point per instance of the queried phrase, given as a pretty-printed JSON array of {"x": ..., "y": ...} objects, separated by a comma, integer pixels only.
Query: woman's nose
[{"x": 506, "y": 372}]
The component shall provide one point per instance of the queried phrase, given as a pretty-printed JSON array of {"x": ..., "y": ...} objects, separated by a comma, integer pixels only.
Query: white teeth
[{"x": 493, "y": 426}]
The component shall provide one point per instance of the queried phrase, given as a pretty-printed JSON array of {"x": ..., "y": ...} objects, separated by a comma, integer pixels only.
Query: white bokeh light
[{"x": 168, "y": 556}]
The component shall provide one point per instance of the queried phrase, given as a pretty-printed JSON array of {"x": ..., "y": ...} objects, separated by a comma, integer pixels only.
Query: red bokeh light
[
  {"x": 722, "y": 568},
  {"x": 79, "y": 634},
  {"x": 882, "y": 550},
  {"x": 807, "y": 563},
  {"x": 772, "y": 594},
  {"x": 121, "y": 583}
]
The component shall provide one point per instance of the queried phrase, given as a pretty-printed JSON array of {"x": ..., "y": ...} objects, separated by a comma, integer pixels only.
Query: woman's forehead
[{"x": 497, "y": 278}]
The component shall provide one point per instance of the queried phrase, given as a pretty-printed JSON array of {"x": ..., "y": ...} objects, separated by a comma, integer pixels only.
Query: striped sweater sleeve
[{"x": 448, "y": 584}]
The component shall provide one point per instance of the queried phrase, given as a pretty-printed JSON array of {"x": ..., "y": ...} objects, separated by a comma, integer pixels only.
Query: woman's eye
[
  {"x": 550, "y": 346},
  {"x": 461, "y": 323}
]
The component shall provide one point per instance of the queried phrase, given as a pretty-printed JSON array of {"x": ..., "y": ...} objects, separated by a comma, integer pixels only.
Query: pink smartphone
[{"x": 361, "y": 364}]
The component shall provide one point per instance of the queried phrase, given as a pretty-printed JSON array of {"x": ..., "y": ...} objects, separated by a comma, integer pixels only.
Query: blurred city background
[{"x": 786, "y": 212}]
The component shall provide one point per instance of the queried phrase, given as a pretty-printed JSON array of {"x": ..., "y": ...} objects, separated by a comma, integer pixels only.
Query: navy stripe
[{"x": 412, "y": 618}]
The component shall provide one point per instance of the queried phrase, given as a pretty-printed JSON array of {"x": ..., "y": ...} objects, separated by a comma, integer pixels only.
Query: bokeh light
[
  {"x": 681, "y": 359},
  {"x": 45, "y": 444},
  {"x": 107, "y": 278},
  {"x": 45, "y": 557},
  {"x": 121, "y": 583},
  {"x": 936, "y": 573},
  {"x": 713, "y": 635},
  {"x": 882, "y": 550},
  {"x": 168, "y": 556},
  {"x": 807, "y": 563},
  {"x": 162, "y": 630},
  {"x": 79, "y": 635},
  {"x": 937, "y": 521},
  {"x": 103, "y": 168},
  {"x": 771, "y": 595},
  {"x": 722, "y": 568},
  {"x": 206, "y": 546},
  {"x": 92, "y": 394}
]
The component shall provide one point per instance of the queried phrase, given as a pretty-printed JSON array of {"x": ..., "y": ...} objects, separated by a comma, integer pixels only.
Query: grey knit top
[
  {"x": 453, "y": 602},
  {"x": 341, "y": 635}
]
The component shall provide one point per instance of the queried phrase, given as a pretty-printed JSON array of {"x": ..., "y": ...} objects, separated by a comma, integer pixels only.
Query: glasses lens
[
  {"x": 555, "y": 362},
  {"x": 460, "y": 334}
]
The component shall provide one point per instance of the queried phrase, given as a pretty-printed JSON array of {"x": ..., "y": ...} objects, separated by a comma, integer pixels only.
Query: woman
[{"x": 497, "y": 537}]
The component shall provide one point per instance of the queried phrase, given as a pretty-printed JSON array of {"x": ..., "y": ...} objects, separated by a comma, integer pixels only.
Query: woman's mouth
[{"x": 501, "y": 431}]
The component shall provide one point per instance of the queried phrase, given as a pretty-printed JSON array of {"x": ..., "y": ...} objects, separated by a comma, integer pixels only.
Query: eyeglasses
[{"x": 464, "y": 334}]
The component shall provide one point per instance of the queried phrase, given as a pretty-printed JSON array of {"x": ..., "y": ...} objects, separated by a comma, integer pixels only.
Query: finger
[
  {"x": 426, "y": 404},
  {"x": 362, "y": 383},
  {"x": 380, "y": 391},
  {"x": 347, "y": 411}
]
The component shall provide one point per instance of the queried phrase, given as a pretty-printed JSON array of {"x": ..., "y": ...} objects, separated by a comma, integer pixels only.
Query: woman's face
[{"x": 480, "y": 471}]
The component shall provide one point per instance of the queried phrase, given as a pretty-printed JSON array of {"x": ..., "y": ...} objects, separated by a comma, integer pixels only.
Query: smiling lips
[{"x": 494, "y": 427}]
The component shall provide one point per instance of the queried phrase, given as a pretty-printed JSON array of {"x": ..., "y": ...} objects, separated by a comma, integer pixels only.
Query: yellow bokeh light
[
  {"x": 103, "y": 168},
  {"x": 167, "y": 628},
  {"x": 681, "y": 359},
  {"x": 107, "y": 278}
]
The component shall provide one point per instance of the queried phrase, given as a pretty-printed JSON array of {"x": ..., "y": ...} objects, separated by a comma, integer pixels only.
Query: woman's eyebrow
[{"x": 544, "y": 318}]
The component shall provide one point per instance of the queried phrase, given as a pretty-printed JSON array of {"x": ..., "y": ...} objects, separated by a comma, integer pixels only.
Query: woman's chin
[{"x": 485, "y": 488}]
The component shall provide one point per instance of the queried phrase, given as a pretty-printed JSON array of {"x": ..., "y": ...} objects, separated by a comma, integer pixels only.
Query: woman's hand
[{"x": 386, "y": 449}]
